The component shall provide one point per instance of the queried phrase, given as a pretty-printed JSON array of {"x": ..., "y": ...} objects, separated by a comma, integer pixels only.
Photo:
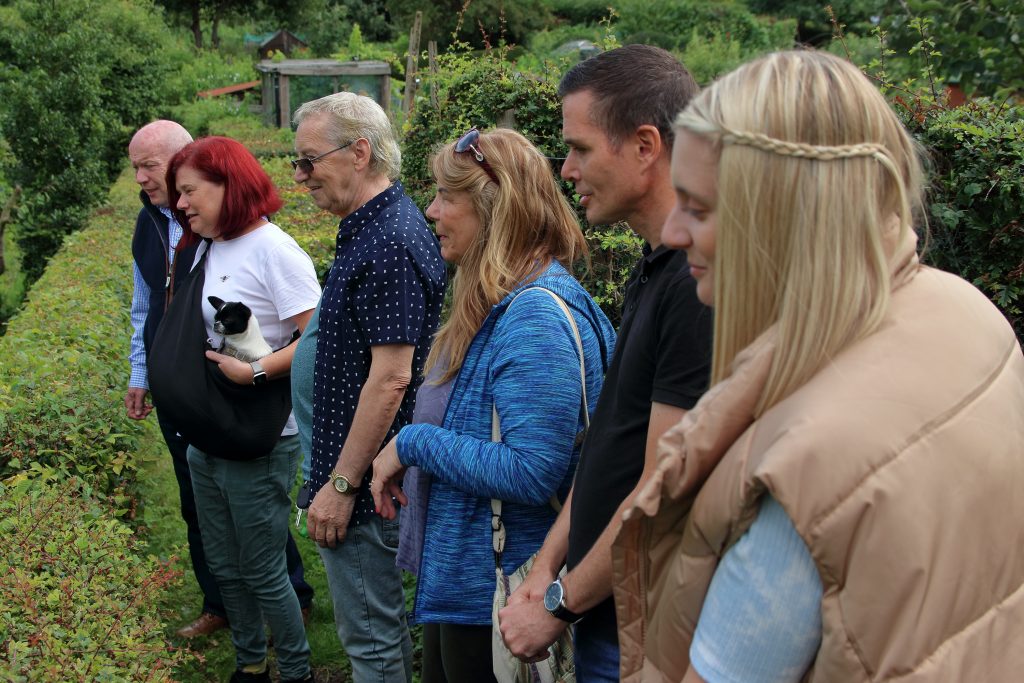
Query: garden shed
[
  {"x": 283, "y": 41},
  {"x": 290, "y": 82}
]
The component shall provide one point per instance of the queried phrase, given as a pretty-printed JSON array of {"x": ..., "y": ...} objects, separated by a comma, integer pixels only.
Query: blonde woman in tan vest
[{"x": 847, "y": 502}]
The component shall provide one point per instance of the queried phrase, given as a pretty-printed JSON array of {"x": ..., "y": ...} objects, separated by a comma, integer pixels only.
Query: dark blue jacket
[{"x": 149, "y": 249}]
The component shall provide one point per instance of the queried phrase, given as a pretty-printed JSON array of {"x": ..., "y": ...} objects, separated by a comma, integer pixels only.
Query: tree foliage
[
  {"x": 475, "y": 22},
  {"x": 78, "y": 77}
]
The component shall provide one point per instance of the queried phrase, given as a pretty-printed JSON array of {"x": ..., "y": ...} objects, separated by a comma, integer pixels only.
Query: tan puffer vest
[{"x": 901, "y": 465}]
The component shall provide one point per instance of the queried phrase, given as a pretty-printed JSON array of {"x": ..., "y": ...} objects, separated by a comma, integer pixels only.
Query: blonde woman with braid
[
  {"x": 512, "y": 352},
  {"x": 845, "y": 503}
]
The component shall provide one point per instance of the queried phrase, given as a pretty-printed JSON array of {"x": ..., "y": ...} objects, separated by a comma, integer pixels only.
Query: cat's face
[{"x": 232, "y": 317}]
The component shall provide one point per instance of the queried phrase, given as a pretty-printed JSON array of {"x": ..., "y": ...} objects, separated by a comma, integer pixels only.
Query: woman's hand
[
  {"x": 237, "y": 371},
  {"x": 387, "y": 481}
]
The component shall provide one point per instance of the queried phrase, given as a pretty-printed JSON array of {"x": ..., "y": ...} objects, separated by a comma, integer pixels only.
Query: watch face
[
  {"x": 341, "y": 485},
  {"x": 553, "y": 596}
]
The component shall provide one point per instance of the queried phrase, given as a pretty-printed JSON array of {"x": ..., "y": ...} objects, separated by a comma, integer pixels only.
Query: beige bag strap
[{"x": 497, "y": 527}]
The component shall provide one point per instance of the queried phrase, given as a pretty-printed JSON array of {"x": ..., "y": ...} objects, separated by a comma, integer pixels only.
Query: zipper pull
[{"x": 167, "y": 282}]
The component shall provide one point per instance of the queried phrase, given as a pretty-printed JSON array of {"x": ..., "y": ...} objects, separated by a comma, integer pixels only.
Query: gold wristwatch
[{"x": 342, "y": 484}]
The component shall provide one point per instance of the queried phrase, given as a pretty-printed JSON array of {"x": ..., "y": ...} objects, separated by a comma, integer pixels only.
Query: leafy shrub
[
  {"x": 975, "y": 199},
  {"x": 974, "y": 43},
  {"x": 79, "y": 76},
  {"x": 75, "y": 597},
  {"x": 976, "y": 203},
  {"x": 485, "y": 90}
]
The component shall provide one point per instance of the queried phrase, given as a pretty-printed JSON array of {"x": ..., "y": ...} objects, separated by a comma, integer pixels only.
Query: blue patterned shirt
[{"x": 386, "y": 287}]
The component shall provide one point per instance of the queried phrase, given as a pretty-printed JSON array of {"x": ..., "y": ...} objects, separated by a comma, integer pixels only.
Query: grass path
[{"x": 165, "y": 534}]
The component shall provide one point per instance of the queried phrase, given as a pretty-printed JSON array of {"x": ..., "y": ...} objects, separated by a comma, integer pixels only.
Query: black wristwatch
[
  {"x": 259, "y": 375},
  {"x": 554, "y": 602}
]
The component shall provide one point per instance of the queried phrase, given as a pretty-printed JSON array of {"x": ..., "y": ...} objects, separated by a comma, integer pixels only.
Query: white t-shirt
[{"x": 268, "y": 272}]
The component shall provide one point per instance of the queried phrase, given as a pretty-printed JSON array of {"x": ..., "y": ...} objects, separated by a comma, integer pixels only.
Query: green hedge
[
  {"x": 64, "y": 369},
  {"x": 75, "y": 595}
]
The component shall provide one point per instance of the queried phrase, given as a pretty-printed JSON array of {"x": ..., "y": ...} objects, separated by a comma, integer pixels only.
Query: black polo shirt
[{"x": 663, "y": 354}]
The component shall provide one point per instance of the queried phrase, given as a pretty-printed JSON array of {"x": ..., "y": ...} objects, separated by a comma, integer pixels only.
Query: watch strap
[
  {"x": 565, "y": 614},
  {"x": 259, "y": 375}
]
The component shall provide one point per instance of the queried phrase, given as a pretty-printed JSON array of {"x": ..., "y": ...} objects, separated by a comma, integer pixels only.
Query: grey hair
[{"x": 350, "y": 117}]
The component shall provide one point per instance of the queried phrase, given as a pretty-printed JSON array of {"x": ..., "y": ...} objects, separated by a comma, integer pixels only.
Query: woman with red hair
[{"x": 220, "y": 191}]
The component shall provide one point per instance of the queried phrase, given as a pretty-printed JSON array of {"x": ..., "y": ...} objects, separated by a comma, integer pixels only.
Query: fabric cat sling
[{"x": 214, "y": 414}]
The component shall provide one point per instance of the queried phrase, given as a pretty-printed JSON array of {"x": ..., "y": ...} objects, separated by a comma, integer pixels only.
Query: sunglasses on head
[
  {"x": 305, "y": 164},
  {"x": 470, "y": 142}
]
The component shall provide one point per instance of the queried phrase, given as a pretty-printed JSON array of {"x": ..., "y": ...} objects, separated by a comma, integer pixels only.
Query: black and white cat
[{"x": 241, "y": 330}]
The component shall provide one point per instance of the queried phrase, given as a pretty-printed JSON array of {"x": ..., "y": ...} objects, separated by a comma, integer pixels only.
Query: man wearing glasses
[
  {"x": 617, "y": 114},
  {"x": 380, "y": 307},
  {"x": 159, "y": 267}
]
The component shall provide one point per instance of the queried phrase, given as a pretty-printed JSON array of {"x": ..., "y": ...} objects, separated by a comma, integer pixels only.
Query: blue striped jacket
[{"x": 524, "y": 361}]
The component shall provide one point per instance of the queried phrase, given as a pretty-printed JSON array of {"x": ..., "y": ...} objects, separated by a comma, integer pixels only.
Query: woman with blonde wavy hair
[
  {"x": 511, "y": 349},
  {"x": 844, "y": 503}
]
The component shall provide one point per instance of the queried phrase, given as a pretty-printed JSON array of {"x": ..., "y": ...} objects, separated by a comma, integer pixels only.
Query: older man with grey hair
[{"x": 380, "y": 308}]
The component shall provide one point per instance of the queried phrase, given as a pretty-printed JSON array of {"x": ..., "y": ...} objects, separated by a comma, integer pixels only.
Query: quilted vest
[{"x": 901, "y": 465}]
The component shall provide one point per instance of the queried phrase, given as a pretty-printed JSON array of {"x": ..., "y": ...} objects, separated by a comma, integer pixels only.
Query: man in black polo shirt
[{"x": 617, "y": 113}]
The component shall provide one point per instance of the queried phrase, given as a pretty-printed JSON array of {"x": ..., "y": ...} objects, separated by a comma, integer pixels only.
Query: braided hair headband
[{"x": 803, "y": 150}]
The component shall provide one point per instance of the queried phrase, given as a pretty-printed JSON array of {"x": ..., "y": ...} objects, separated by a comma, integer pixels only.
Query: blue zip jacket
[{"x": 523, "y": 360}]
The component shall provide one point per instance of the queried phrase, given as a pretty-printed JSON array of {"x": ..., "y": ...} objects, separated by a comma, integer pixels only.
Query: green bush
[
  {"x": 485, "y": 90},
  {"x": 976, "y": 44},
  {"x": 79, "y": 76},
  {"x": 75, "y": 596},
  {"x": 975, "y": 194},
  {"x": 976, "y": 202}
]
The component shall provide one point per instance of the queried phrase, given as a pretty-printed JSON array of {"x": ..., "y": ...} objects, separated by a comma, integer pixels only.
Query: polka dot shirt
[{"x": 386, "y": 287}]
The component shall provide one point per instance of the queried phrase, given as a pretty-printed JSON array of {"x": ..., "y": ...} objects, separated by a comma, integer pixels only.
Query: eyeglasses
[
  {"x": 470, "y": 142},
  {"x": 306, "y": 164}
]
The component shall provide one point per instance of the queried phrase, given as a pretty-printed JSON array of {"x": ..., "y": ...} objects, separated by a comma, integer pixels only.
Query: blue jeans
[
  {"x": 212, "y": 602},
  {"x": 597, "y": 660},
  {"x": 369, "y": 603},
  {"x": 244, "y": 508}
]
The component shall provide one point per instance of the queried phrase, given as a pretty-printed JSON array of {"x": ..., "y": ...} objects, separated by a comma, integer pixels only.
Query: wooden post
[
  {"x": 432, "y": 61},
  {"x": 284, "y": 99},
  {"x": 412, "y": 63}
]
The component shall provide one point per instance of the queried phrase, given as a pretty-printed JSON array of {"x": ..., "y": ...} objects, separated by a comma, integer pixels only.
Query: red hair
[{"x": 249, "y": 194}]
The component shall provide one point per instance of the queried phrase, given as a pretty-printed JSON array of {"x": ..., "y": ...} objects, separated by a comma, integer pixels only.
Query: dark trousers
[
  {"x": 212, "y": 601},
  {"x": 454, "y": 653}
]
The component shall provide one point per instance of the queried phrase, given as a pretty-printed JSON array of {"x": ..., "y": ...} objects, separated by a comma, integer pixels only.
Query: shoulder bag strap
[{"x": 497, "y": 527}]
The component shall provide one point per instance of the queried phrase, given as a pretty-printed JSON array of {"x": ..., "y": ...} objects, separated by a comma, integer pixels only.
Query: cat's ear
[{"x": 216, "y": 302}]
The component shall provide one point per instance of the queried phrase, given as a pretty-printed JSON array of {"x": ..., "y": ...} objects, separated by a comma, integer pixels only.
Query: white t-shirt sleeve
[{"x": 291, "y": 279}]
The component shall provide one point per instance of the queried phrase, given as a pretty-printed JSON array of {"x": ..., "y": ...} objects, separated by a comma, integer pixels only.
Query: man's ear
[
  {"x": 649, "y": 145},
  {"x": 361, "y": 152}
]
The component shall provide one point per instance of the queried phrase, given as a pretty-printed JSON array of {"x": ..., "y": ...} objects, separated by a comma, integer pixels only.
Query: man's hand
[
  {"x": 388, "y": 471},
  {"x": 235, "y": 370},
  {"x": 327, "y": 521},
  {"x": 528, "y": 629},
  {"x": 533, "y": 587},
  {"x": 136, "y": 405}
]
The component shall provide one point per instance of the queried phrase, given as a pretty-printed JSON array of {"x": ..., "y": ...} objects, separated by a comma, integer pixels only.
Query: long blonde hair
[
  {"x": 817, "y": 179},
  {"x": 525, "y": 222}
]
